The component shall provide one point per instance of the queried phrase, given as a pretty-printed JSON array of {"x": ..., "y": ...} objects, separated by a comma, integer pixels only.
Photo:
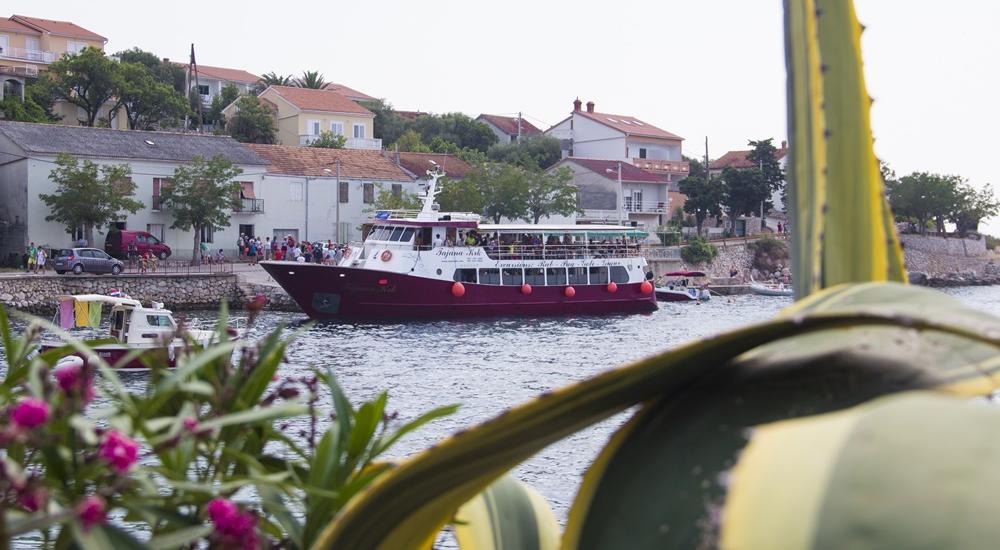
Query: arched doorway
[{"x": 12, "y": 87}]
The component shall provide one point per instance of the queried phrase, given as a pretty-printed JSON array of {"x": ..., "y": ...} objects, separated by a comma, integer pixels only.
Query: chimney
[
  {"x": 590, "y": 106},
  {"x": 784, "y": 144},
  {"x": 577, "y": 104}
]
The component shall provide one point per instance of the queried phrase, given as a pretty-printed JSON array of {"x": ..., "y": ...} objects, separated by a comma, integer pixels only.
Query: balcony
[
  {"x": 645, "y": 207},
  {"x": 249, "y": 206},
  {"x": 679, "y": 167},
  {"x": 19, "y": 71},
  {"x": 35, "y": 56},
  {"x": 351, "y": 143}
]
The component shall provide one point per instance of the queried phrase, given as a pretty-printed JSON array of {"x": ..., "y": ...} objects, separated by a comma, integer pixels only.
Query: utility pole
[
  {"x": 197, "y": 84},
  {"x": 338, "y": 202},
  {"x": 621, "y": 195},
  {"x": 519, "y": 126}
]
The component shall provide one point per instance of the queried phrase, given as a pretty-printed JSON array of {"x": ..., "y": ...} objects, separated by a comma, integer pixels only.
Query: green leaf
[
  {"x": 179, "y": 538},
  {"x": 384, "y": 443},
  {"x": 255, "y": 416},
  {"x": 507, "y": 516}
]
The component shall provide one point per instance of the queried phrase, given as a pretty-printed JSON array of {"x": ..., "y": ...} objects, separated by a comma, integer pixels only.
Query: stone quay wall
[{"x": 37, "y": 293}]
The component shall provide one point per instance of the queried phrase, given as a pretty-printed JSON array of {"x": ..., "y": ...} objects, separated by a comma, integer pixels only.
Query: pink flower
[
  {"x": 32, "y": 500},
  {"x": 190, "y": 423},
  {"x": 30, "y": 413},
  {"x": 120, "y": 451},
  {"x": 73, "y": 378},
  {"x": 90, "y": 511},
  {"x": 233, "y": 528}
]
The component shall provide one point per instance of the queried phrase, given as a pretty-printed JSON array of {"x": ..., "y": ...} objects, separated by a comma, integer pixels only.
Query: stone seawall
[{"x": 36, "y": 293}]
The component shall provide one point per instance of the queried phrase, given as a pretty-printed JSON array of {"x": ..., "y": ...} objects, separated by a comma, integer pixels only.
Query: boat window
[
  {"x": 555, "y": 276},
  {"x": 513, "y": 276},
  {"x": 384, "y": 234},
  {"x": 465, "y": 275},
  {"x": 397, "y": 232},
  {"x": 618, "y": 274},
  {"x": 599, "y": 275},
  {"x": 577, "y": 275},
  {"x": 534, "y": 276},
  {"x": 158, "y": 320},
  {"x": 407, "y": 235},
  {"x": 489, "y": 276}
]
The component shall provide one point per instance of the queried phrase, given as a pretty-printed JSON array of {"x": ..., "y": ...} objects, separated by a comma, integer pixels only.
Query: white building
[
  {"x": 509, "y": 129},
  {"x": 28, "y": 153},
  {"x": 317, "y": 194},
  {"x": 594, "y": 135},
  {"x": 211, "y": 81},
  {"x": 738, "y": 160},
  {"x": 644, "y": 202}
]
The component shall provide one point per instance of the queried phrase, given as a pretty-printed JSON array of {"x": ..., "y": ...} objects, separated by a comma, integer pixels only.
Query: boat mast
[{"x": 427, "y": 211}]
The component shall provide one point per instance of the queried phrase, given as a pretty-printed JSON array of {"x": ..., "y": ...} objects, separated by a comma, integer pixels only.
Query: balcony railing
[
  {"x": 18, "y": 71},
  {"x": 647, "y": 207},
  {"x": 250, "y": 206},
  {"x": 351, "y": 143},
  {"x": 680, "y": 167},
  {"x": 28, "y": 55}
]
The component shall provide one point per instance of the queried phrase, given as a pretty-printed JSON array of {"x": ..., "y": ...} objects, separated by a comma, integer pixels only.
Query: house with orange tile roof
[
  {"x": 29, "y": 44},
  {"x": 318, "y": 194},
  {"x": 211, "y": 80},
  {"x": 304, "y": 113},
  {"x": 509, "y": 129},
  {"x": 348, "y": 92},
  {"x": 417, "y": 164},
  {"x": 738, "y": 160},
  {"x": 593, "y": 134}
]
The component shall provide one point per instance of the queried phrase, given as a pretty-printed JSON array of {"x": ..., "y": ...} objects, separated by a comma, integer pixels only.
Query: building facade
[
  {"x": 211, "y": 81},
  {"x": 27, "y": 157},
  {"x": 304, "y": 113},
  {"x": 509, "y": 129}
]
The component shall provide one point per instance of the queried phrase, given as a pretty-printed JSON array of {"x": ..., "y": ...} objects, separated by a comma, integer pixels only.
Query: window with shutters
[
  {"x": 369, "y": 193},
  {"x": 344, "y": 192}
]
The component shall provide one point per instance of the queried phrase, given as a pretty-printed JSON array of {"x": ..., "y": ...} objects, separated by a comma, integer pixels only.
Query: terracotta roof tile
[
  {"x": 309, "y": 99},
  {"x": 222, "y": 73},
  {"x": 411, "y": 115},
  {"x": 419, "y": 163},
  {"x": 61, "y": 28},
  {"x": 738, "y": 159},
  {"x": 629, "y": 125},
  {"x": 311, "y": 161},
  {"x": 13, "y": 26},
  {"x": 609, "y": 169},
  {"x": 348, "y": 92},
  {"x": 508, "y": 125}
]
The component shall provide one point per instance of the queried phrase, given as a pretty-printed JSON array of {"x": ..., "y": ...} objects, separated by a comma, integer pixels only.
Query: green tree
[
  {"x": 148, "y": 102},
  {"x": 704, "y": 198},
  {"x": 529, "y": 153},
  {"x": 389, "y": 200},
  {"x": 252, "y": 122},
  {"x": 746, "y": 192},
  {"x": 972, "y": 206},
  {"x": 329, "y": 140},
  {"x": 88, "y": 80},
  {"x": 494, "y": 190},
  {"x": 699, "y": 251},
  {"x": 164, "y": 71},
  {"x": 201, "y": 195},
  {"x": 456, "y": 128},
  {"x": 311, "y": 79},
  {"x": 442, "y": 145},
  {"x": 762, "y": 155},
  {"x": 388, "y": 126},
  {"x": 550, "y": 192},
  {"x": 88, "y": 195},
  {"x": 23, "y": 111},
  {"x": 922, "y": 197},
  {"x": 229, "y": 94},
  {"x": 272, "y": 79},
  {"x": 410, "y": 141}
]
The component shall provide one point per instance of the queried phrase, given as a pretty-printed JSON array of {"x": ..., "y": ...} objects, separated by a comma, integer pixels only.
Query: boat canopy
[
  {"x": 685, "y": 274},
  {"x": 113, "y": 300}
]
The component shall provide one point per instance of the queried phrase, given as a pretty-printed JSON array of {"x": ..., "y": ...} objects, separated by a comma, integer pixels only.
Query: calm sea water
[{"x": 490, "y": 365}]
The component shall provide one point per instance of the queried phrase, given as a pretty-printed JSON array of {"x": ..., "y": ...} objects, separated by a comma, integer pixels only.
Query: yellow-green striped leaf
[{"x": 509, "y": 515}]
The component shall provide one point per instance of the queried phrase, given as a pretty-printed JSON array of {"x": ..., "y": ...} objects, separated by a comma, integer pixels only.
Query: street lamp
[{"x": 621, "y": 192}]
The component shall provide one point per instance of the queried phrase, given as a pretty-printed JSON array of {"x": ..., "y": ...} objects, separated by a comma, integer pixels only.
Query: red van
[{"x": 117, "y": 244}]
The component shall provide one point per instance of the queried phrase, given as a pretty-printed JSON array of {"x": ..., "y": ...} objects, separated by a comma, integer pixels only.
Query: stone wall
[{"x": 37, "y": 293}]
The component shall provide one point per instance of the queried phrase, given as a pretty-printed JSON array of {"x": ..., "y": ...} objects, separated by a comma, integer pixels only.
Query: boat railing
[{"x": 561, "y": 251}]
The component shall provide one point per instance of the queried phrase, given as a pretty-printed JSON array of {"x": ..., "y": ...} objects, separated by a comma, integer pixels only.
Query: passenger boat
[
  {"x": 679, "y": 290},
  {"x": 430, "y": 264},
  {"x": 771, "y": 289},
  {"x": 144, "y": 332}
]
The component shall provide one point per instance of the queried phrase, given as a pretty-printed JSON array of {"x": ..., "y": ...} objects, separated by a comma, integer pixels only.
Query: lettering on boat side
[{"x": 458, "y": 252}]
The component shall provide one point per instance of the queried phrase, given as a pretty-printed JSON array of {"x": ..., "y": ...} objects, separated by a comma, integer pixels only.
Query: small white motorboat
[
  {"x": 677, "y": 290},
  {"x": 771, "y": 289}
]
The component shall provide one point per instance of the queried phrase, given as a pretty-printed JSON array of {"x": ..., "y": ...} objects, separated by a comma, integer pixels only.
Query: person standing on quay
[
  {"x": 40, "y": 260},
  {"x": 32, "y": 257}
]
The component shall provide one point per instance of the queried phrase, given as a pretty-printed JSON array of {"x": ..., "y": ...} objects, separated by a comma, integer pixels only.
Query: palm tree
[
  {"x": 311, "y": 79},
  {"x": 272, "y": 79}
]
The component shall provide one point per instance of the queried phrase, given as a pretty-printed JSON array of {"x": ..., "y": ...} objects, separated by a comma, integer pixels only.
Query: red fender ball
[
  {"x": 646, "y": 287},
  {"x": 525, "y": 288},
  {"x": 612, "y": 287},
  {"x": 458, "y": 290},
  {"x": 570, "y": 292}
]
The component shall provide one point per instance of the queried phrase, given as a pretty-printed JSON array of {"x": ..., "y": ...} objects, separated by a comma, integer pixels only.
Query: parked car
[
  {"x": 86, "y": 260},
  {"x": 117, "y": 244}
]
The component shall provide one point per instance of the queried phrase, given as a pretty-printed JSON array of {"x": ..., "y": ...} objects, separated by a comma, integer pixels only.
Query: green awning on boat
[{"x": 628, "y": 233}]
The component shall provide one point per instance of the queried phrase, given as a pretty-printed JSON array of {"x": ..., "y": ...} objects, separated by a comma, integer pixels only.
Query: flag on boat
[{"x": 382, "y": 215}]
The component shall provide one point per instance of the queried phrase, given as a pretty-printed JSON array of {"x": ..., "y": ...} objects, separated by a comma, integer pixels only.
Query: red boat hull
[
  {"x": 329, "y": 292},
  {"x": 113, "y": 355}
]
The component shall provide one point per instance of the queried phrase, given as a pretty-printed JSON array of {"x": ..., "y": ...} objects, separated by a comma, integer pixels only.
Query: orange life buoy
[{"x": 386, "y": 255}]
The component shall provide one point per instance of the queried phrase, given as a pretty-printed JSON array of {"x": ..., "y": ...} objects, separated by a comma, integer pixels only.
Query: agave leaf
[
  {"x": 407, "y": 506},
  {"x": 509, "y": 515},
  {"x": 850, "y": 479}
]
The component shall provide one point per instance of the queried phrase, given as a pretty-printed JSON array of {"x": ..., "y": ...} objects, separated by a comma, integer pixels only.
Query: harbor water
[{"x": 487, "y": 366}]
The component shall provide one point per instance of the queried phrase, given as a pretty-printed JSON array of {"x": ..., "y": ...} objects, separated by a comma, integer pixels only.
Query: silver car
[{"x": 86, "y": 260}]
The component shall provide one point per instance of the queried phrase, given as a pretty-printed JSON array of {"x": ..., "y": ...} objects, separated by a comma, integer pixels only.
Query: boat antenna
[{"x": 432, "y": 190}]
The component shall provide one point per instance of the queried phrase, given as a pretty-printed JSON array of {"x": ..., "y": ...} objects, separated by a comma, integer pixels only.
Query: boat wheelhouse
[{"x": 429, "y": 264}]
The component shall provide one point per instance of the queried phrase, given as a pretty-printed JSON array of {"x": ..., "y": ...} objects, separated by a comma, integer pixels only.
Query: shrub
[
  {"x": 699, "y": 251},
  {"x": 769, "y": 254}
]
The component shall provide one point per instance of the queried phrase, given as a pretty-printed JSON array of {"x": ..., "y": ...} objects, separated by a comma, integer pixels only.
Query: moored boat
[
  {"x": 771, "y": 289},
  {"x": 137, "y": 334},
  {"x": 678, "y": 288},
  {"x": 430, "y": 264}
]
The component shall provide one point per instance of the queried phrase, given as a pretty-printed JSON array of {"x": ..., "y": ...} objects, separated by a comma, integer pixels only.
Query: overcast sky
[{"x": 697, "y": 68}]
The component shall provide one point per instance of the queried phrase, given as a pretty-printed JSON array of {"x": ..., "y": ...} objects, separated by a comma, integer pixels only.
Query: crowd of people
[
  {"x": 533, "y": 246},
  {"x": 253, "y": 250}
]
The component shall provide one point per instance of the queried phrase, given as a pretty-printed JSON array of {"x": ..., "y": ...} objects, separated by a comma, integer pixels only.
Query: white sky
[{"x": 692, "y": 67}]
